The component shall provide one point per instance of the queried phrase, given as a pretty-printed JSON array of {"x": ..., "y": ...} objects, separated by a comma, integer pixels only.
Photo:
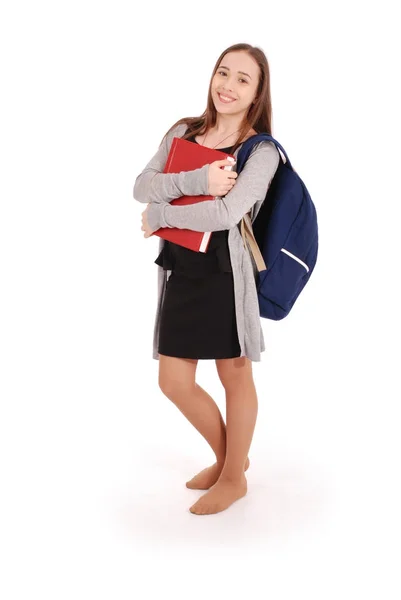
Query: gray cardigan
[{"x": 158, "y": 188}]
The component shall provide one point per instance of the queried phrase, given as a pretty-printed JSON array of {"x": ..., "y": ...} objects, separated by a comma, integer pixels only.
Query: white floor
[{"x": 94, "y": 503}]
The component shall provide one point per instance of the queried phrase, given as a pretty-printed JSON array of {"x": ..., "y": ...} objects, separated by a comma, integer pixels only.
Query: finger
[{"x": 225, "y": 161}]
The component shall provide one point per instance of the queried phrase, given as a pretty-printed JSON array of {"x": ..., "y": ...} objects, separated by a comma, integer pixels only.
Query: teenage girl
[{"x": 208, "y": 307}]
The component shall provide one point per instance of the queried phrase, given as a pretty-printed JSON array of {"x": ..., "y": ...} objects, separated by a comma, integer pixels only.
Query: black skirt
[{"x": 198, "y": 317}]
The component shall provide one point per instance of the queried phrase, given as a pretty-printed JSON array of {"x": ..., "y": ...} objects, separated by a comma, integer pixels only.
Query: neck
[{"x": 226, "y": 124}]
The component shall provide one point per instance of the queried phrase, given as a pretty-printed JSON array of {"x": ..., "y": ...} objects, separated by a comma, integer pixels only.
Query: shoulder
[
  {"x": 174, "y": 131},
  {"x": 267, "y": 149},
  {"x": 263, "y": 160},
  {"x": 181, "y": 129},
  {"x": 263, "y": 147},
  {"x": 177, "y": 131}
]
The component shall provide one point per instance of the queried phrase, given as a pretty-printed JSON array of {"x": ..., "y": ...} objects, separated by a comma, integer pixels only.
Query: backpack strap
[
  {"x": 247, "y": 234},
  {"x": 246, "y": 223},
  {"x": 247, "y": 146}
]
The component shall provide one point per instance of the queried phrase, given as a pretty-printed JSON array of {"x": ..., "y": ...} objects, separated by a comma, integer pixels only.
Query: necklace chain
[{"x": 220, "y": 140}]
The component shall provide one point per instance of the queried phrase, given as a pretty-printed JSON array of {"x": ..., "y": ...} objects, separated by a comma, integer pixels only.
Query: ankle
[{"x": 232, "y": 477}]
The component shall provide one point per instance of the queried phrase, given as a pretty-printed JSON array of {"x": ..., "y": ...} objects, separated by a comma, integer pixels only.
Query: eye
[{"x": 224, "y": 73}]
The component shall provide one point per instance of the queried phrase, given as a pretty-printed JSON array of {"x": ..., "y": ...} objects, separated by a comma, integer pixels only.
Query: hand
[
  {"x": 145, "y": 225},
  {"x": 220, "y": 181}
]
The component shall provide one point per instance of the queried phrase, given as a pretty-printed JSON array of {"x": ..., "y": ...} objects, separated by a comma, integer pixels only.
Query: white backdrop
[{"x": 94, "y": 457}]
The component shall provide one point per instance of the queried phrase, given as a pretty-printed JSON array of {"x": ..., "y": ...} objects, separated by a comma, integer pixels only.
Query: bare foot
[
  {"x": 220, "y": 496},
  {"x": 208, "y": 477}
]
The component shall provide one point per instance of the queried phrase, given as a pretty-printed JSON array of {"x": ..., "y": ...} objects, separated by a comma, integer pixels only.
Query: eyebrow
[{"x": 242, "y": 72}]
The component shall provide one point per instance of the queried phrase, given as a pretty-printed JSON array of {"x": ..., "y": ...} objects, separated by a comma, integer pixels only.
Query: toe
[{"x": 194, "y": 508}]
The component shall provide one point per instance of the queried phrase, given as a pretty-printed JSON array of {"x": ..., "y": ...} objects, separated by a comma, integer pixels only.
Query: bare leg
[
  {"x": 177, "y": 382},
  {"x": 208, "y": 477},
  {"x": 242, "y": 407}
]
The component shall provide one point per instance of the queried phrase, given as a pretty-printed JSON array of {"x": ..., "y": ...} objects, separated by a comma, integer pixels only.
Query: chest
[
  {"x": 216, "y": 142},
  {"x": 212, "y": 142}
]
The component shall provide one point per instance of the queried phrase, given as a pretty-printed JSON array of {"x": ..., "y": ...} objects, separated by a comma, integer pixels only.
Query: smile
[{"x": 225, "y": 99}]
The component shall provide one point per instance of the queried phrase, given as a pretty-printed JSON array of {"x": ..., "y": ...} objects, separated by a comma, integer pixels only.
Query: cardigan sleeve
[
  {"x": 223, "y": 212},
  {"x": 152, "y": 185}
]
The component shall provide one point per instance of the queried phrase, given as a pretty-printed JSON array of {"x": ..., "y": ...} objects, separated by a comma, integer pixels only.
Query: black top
[{"x": 190, "y": 263}]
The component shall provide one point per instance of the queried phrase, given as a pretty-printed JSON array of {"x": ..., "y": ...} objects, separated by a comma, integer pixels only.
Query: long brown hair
[{"x": 259, "y": 116}]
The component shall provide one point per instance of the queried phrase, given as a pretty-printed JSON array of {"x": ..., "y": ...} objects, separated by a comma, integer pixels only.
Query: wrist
[{"x": 155, "y": 215}]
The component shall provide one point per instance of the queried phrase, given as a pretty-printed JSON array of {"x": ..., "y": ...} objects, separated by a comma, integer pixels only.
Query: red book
[{"x": 187, "y": 156}]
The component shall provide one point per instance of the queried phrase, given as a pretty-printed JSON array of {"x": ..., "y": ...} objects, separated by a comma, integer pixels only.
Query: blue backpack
[{"x": 286, "y": 234}]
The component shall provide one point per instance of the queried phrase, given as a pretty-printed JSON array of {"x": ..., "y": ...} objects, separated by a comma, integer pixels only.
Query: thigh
[
  {"x": 234, "y": 372},
  {"x": 176, "y": 374}
]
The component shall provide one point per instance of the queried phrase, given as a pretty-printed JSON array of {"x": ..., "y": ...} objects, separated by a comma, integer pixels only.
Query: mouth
[{"x": 225, "y": 99}]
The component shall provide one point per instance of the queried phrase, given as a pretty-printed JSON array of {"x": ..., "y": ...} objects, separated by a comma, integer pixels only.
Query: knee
[
  {"x": 232, "y": 384},
  {"x": 176, "y": 389},
  {"x": 234, "y": 374}
]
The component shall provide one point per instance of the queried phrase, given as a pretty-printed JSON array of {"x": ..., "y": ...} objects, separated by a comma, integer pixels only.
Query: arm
[
  {"x": 152, "y": 185},
  {"x": 223, "y": 213}
]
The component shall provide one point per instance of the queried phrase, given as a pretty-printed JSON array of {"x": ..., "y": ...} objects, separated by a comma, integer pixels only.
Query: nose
[{"x": 228, "y": 84}]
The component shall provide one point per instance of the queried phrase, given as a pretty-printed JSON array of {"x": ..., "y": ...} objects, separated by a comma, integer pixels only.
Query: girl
[{"x": 207, "y": 302}]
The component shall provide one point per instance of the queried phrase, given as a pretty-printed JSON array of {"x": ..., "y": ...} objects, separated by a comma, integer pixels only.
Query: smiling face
[{"x": 235, "y": 83}]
